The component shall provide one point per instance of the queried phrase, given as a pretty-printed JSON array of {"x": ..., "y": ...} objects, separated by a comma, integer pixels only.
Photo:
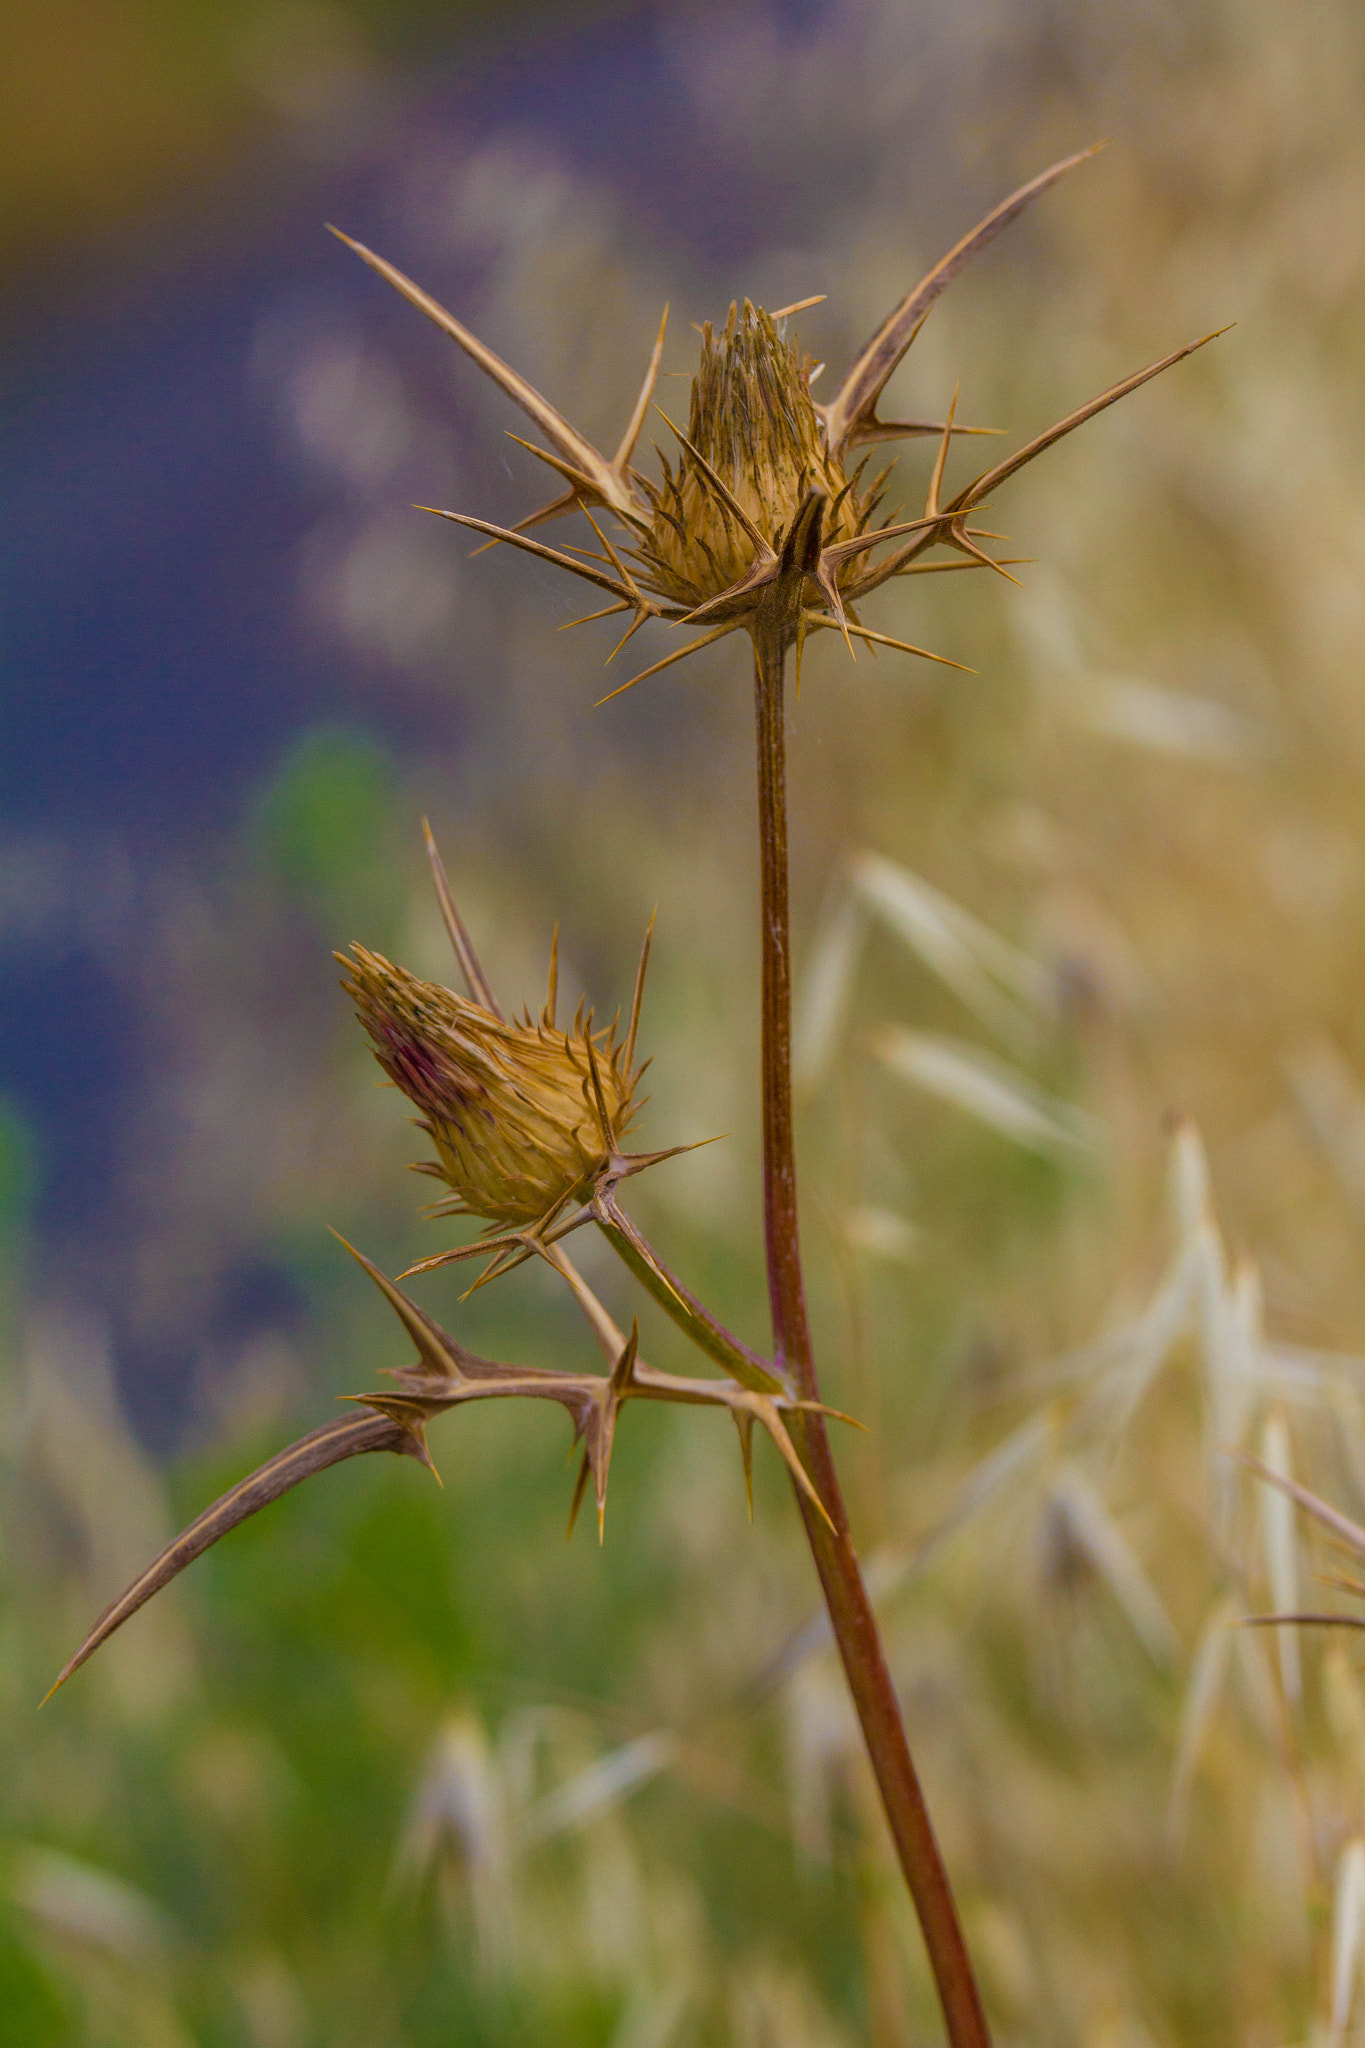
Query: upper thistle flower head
[
  {"x": 753, "y": 453},
  {"x": 764, "y": 523},
  {"x": 524, "y": 1116}
]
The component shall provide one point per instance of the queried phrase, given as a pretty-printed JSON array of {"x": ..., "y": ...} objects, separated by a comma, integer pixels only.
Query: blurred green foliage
[{"x": 325, "y": 819}]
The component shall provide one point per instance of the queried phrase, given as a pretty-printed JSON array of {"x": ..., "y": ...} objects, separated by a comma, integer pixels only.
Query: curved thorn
[
  {"x": 818, "y": 619},
  {"x": 347, "y": 1437},
  {"x": 621, "y": 459},
  {"x": 480, "y": 988},
  {"x": 931, "y": 502},
  {"x": 987, "y": 481},
  {"x": 730, "y": 602},
  {"x": 435, "y": 1349},
  {"x": 857, "y": 397},
  {"x": 505, "y": 1262},
  {"x": 552, "y": 423},
  {"x": 617, "y": 564},
  {"x": 957, "y": 538},
  {"x": 568, "y": 470},
  {"x": 744, "y": 1423},
  {"x": 679, "y": 654},
  {"x": 530, "y": 547},
  {"x": 637, "y": 999},
  {"x": 767, "y": 1414},
  {"x": 844, "y": 550},
  {"x": 631, "y": 630},
  {"x": 831, "y": 1414},
  {"x": 829, "y": 590},
  {"x": 607, "y": 612},
  {"x": 568, "y": 501}
]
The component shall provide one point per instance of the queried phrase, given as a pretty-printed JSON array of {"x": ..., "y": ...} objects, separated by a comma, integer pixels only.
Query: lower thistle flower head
[{"x": 524, "y": 1116}]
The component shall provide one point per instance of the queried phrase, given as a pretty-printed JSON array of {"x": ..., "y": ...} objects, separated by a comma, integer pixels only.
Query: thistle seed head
[
  {"x": 753, "y": 429},
  {"x": 524, "y": 1116},
  {"x": 763, "y": 525}
]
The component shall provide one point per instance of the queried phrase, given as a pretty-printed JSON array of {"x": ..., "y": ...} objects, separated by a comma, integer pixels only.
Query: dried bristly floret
[
  {"x": 524, "y": 1116},
  {"x": 753, "y": 451}
]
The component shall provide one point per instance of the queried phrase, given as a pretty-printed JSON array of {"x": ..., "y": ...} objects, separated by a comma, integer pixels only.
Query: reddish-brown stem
[{"x": 836, "y": 1561}]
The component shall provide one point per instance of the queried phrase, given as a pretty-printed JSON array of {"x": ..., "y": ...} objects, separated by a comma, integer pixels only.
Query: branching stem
[
  {"x": 693, "y": 1318},
  {"x": 836, "y": 1561}
]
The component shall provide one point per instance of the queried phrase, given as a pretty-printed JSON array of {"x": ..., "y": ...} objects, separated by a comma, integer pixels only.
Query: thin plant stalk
[{"x": 836, "y": 1560}]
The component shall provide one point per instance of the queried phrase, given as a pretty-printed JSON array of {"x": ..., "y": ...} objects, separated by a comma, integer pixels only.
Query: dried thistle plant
[
  {"x": 763, "y": 521},
  {"x": 760, "y": 525}
]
